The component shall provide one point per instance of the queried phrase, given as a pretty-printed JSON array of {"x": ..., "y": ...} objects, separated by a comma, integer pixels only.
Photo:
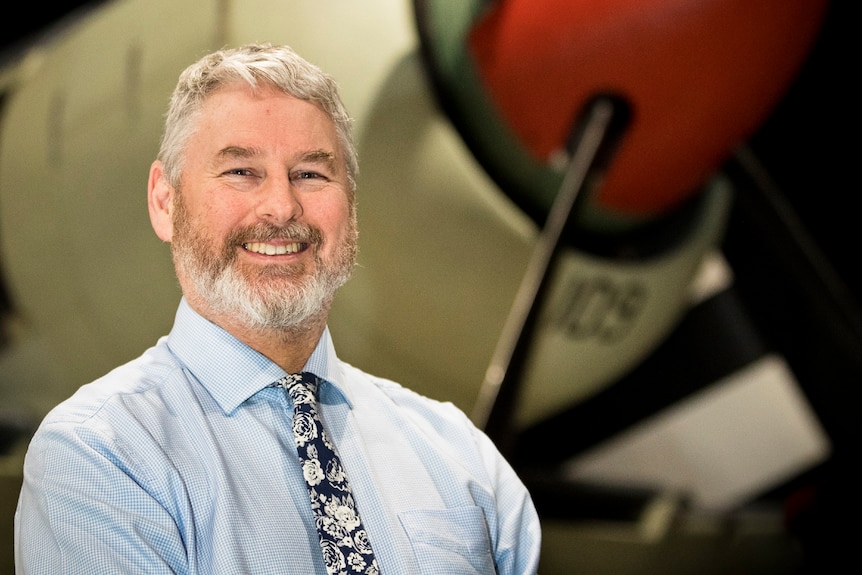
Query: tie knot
[{"x": 302, "y": 387}]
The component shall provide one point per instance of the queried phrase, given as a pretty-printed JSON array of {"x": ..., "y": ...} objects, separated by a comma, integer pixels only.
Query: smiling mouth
[{"x": 275, "y": 250}]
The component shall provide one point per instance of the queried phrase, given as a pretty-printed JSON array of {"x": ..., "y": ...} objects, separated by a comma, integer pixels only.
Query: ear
[{"x": 160, "y": 196}]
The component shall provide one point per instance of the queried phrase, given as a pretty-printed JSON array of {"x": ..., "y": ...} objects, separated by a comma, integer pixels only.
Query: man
[{"x": 185, "y": 459}]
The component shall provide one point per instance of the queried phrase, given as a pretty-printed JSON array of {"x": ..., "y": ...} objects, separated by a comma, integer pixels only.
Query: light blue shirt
[{"x": 183, "y": 461}]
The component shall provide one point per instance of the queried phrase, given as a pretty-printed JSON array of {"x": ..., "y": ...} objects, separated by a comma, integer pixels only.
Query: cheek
[
  {"x": 336, "y": 222},
  {"x": 201, "y": 233},
  {"x": 221, "y": 218}
]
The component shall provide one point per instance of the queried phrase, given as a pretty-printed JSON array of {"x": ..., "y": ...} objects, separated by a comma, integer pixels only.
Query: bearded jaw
[
  {"x": 271, "y": 296},
  {"x": 276, "y": 296},
  {"x": 268, "y": 297}
]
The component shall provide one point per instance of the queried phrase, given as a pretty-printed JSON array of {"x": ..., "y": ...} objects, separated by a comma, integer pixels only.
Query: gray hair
[{"x": 278, "y": 66}]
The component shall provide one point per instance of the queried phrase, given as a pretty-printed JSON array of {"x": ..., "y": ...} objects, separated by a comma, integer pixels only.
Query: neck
[{"x": 289, "y": 347}]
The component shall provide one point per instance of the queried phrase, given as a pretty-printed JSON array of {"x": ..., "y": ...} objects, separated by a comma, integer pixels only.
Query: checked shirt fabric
[{"x": 343, "y": 540}]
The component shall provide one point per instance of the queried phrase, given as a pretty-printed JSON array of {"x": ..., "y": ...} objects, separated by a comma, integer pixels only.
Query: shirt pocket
[{"x": 448, "y": 541}]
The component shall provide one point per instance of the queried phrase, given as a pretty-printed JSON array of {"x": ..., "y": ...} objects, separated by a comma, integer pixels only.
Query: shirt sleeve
[
  {"x": 518, "y": 530},
  {"x": 85, "y": 508}
]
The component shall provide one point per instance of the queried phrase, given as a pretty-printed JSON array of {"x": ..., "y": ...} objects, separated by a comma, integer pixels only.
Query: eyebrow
[
  {"x": 320, "y": 156},
  {"x": 314, "y": 156},
  {"x": 238, "y": 152}
]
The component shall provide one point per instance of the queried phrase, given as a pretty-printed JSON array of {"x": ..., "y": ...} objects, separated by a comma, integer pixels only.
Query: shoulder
[
  {"x": 114, "y": 424},
  {"x": 437, "y": 420},
  {"x": 138, "y": 377},
  {"x": 402, "y": 396}
]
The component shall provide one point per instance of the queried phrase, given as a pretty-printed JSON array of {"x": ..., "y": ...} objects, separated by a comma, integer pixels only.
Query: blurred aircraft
[{"x": 675, "y": 373}]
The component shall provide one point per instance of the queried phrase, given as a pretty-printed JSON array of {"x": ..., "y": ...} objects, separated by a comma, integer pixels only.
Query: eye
[
  {"x": 239, "y": 172},
  {"x": 308, "y": 175}
]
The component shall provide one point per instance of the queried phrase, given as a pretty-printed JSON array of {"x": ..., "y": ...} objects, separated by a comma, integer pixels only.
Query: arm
[
  {"x": 518, "y": 531},
  {"x": 86, "y": 508}
]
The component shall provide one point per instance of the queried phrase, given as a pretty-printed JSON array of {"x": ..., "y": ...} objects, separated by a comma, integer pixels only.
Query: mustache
[{"x": 294, "y": 231}]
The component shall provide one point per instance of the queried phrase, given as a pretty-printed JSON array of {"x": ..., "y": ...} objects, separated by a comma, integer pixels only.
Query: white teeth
[{"x": 272, "y": 250}]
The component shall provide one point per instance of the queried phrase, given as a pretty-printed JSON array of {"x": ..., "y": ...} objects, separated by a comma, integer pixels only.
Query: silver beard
[
  {"x": 221, "y": 284},
  {"x": 229, "y": 293}
]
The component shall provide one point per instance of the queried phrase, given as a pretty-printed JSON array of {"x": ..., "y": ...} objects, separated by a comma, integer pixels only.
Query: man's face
[{"x": 264, "y": 228}]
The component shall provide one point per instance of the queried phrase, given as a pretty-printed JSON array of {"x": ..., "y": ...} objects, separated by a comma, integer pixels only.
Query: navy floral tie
[{"x": 343, "y": 539}]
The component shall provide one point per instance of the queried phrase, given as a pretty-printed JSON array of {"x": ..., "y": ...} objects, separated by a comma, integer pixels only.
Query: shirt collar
[{"x": 231, "y": 371}]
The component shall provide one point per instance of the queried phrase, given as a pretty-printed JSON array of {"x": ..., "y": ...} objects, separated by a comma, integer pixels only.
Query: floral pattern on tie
[{"x": 343, "y": 540}]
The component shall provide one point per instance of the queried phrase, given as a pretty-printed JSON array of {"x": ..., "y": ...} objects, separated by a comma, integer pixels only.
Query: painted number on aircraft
[{"x": 599, "y": 307}]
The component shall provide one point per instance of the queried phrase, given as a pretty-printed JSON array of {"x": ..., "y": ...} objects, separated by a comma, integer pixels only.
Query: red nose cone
[{"x": 700, "y": 77}]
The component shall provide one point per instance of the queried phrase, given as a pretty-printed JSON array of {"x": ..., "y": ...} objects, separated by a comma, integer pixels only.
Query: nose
[{"x": 279, "y": 201}]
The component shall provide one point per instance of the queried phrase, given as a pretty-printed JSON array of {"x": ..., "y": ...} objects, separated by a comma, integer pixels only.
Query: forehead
[{"x": 237, "y": 110}]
